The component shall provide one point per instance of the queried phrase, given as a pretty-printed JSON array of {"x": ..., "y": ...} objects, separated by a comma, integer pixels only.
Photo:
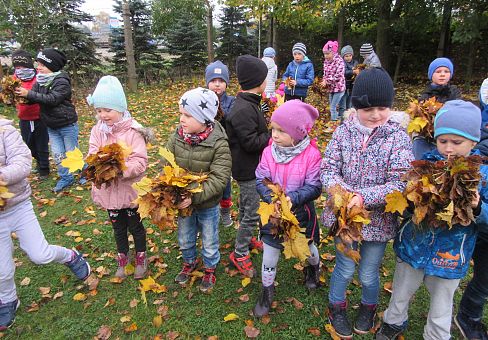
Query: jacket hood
[
  {"x": 304, "y": 61},
  {"x": 5, "y": 121},
  {"x": 270, "y": 63},
  {"x": 482, "y": 146}
]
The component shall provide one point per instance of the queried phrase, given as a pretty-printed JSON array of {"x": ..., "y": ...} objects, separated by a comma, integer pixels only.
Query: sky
[{"x": 94, "y": 7}]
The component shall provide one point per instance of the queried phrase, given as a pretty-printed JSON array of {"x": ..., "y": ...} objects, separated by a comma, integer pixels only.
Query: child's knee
[{"x": 368, "y": 278}]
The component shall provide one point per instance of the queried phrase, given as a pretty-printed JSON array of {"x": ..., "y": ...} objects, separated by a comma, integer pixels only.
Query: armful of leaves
[
  {"x": 422, "y": 114},
  {"x": 7, "y": 91}
]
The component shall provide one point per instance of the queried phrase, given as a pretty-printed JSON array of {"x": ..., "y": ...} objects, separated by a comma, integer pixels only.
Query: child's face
[
  {"x": 188, "y": 123},
  {"x": 280, "y": 137},
  {"x": 42, "y": 69},
  {"x": 454, "y": 145},
  {"x": 218, "y": 85},
  {"x": 109, "y": 116},
  {"x": 20, "y": 67},
  {"x": 348, "y": 57},
  {"x": 328, "y": 55},
  {"x": 441, "y": 76},
  {"x": 298, "y": 57},
  {"x": 372, "y": 117}
]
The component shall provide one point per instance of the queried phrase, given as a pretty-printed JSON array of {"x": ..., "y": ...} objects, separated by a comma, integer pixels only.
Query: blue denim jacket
[{"x": 443, "y": 252}]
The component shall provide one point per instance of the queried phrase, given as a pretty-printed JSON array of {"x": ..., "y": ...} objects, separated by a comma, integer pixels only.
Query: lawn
[{"x": 56, "y": 306}]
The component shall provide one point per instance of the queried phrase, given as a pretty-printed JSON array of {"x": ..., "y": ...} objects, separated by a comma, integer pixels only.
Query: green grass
[{"x": 191, "y": 314}]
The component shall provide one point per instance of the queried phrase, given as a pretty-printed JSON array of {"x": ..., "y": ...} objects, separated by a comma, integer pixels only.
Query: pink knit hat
[
  {"x": 296, "y": 118},
  {"x": 331, "y": 45}
]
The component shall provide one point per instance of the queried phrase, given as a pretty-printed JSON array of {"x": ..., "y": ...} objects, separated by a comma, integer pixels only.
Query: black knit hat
[
  {"x": 373, "y": 88},
  {"x": 51, "y": 58},
  {"x": 251, "y": 71},
  {"x": 22, "y": 58}
]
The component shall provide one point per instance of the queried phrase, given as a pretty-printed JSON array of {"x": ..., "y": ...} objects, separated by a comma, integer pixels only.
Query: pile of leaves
[
  {"x": 7, "y": 94},
  {"x": 4, "y": 195},
  {"x": 284, "y": 223},
  {"x": 349, "y": 225},
  {"x": 422, "y": 116},
  {"x": 159, "y": 197},
  {"x": 441, "y": 193}
]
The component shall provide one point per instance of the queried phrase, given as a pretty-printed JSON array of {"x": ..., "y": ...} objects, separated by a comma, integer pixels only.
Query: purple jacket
[
  {"x": 15, "y": 163},
  {"x": 334, "y": 73},
  {"x": 371, "y": 168}
]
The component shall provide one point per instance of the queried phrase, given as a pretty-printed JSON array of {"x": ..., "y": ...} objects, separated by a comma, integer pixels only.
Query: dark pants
[
  {"x": 476, "y": 292},
  {"x": 37, "y": 139},
  {"x": 124, "y": 220},
  {"x": 290, "y": 97}
]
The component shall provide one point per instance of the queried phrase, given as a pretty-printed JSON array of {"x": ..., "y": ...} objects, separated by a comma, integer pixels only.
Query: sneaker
[
  {"x": 61, "y": 185},
  {"x": 184, "y": 274},
  {"x": 141, "y": 266},
  {"x": 225, "y": 217},
  {"x": 337, "y": 315},
  {"x": 243, "y": 264},
  {"x": 79, "y": 266},
  {"x": 312, "y": 276},
  {"x": 208, "y": 280},
  {"x": 122, "y": 262},
  {"x": 389, "y": 332},
  {"x": 469, "y": 328},
  {"x": 264, "y": 302},
  {"x": 256, "y": 244},
  {"x": 82, "y": 181},
  {"x": 365, "y": 319},
  {"x": 7, "y": 314}
]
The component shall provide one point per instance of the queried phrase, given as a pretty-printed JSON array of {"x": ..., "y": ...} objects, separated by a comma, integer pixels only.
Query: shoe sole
[
  {"x": 360, "y": 332},
  {"x": 456, "y": 322}
]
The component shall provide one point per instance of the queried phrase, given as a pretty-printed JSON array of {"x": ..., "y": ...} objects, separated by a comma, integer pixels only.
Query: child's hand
[
  {"x": 185, "y": 203},
  {"x": 355, "y": 201},
  {"x": 355, "y": 71},
  {"x": 21, "y": 92},
  {"x": 476, "y": 200},
  {"x": 293, "y": 82}
]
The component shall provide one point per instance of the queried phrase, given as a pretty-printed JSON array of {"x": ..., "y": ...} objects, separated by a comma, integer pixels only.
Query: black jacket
[
  {"x": 442, "y": 93},
  {"x": 248, "y": 135},
  {"x": 57, "y": 110},
  {"x": 348, "y": 72}
]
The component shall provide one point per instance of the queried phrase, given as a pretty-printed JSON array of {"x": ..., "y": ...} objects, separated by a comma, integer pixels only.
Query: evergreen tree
[
  {"x": 147, "y": 57},
  {"x": 187, "y": 41},
  {"x": 233, "y": 38}
]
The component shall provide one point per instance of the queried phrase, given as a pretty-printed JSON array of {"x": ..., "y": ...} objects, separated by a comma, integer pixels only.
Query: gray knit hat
[
  {"x": 201, "y": 103},
  {"x": 299, "y": 48},
  {"x": 365, "y": 50},
  {"x": 347, "y": 50},
  {"x": 458, "y": 117},
  {"x": 373, "y": 88}
]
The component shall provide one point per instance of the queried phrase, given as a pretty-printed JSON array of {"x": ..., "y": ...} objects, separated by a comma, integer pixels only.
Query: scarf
[
  {"x": 25, "y": 74},
  {"x": 46, "y": 79},
  {"x": 196, "y": 138},
  {"x": 284, "y": 154},
  {"x": 108, "y": 129}
]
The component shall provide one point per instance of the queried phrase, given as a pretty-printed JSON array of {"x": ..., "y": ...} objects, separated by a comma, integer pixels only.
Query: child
[
  {"x": 18, "y": 217},
  {"x": 347, "y": 54},
  {"x": 421, "y": 255},
  {"x": 333, "y": 76},
  {"x": 370, "y": 58},
  {"x": 293, "y": 162},
  {"x": 116, "y": 124},
  {"x": 440, "y": 73},
  {"x": 367, "y": 156},
  {"x": 269, "y": 59},
  {"x": 200, "y": 145},
  {"x": 34, "y": 132},
  {"x": 248, "y": 136},
  {"x": 217, "y": 79},
  {"x": 484, "y": 101},
  {"x": 53, "y": 92},
  {"x": 300, "y": 69}
]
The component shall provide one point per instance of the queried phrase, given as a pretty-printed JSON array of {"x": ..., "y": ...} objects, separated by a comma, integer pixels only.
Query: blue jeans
[
  {"x": 334, "y": 99},
  {"x": 227, "y": 191},
  {"x": 207, "y": 222},
  {"x": 63, "y": 139},
  {"x": 371, "y": 258},
  {"x": 346, "y": 102}
]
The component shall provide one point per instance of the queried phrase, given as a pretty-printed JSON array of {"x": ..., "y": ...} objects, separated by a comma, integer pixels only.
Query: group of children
[{"x": 367, "y": 156}]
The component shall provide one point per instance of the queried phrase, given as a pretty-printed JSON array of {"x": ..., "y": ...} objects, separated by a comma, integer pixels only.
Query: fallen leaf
[
  {"x": 125, "y": 318},
  {"x": 104, "y": 333},
  {"x": 251, "y": 332},
  {"x": 131, "y": 328},
  {"x": 244, "y": 298},
  {"x": 231, "y": 317},
  {"x": 157, "y": 321},
  {"x": 79, "y": 297},
  {"x": 388, "y": 286},
  {"x": 314, "y": 331},
  {"x": 133, "y": 303},
  {"x": 245, "y": 281},
  {"x": 25, "y": 281},
  {"x": 332, "y": 332}
]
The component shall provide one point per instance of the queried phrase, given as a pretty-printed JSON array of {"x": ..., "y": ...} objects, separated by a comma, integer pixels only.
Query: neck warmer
[{"x": 283, "y": 155}]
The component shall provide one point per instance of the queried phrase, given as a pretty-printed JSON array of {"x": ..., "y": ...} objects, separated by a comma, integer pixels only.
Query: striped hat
[
  {"x": 299, "y": 48},
  {"x": 365, "y": 50}
]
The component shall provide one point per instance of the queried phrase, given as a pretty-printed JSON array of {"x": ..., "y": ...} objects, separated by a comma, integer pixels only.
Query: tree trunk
[
  {"x": 445, "y": 29},
  {"x": 271, "y": 33},
  {"x": 399, "y": 58},
  {"x": 259, "y": 34},
  {"x": 340, "y": 28},
  {"x": 210, "y": 48},
  {"x": 129, "y": 48},
  {"x": 469, "y": 66},
  {"x": 383, "y": 33}
]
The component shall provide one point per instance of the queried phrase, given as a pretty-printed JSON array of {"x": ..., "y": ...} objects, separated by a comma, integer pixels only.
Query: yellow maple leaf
[
  {"x": 246, "y": 281},
  {"x": 73, "y": 161},
  {"x": 297, "y": 247},
  {"x": 447, "y": 214},
  {"x": 361, "y": 219},
  {"x": 332, "y": 332},
  {"x": 231, "y": 317},
  {"x": 79, "y": 297},
  {"x": 395, "y": 202},
  {"x": 168, "y": 155},
  {"x": 265, "y": 211},
  {"x": 417, "y": 124},
  {"x": 143, "y": 186}
]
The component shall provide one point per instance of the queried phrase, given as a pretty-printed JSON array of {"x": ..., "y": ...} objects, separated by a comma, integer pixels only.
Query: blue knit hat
[
  {"x": 108, "y": 94},
  {"x": 215, "y": 70},
  {"x": 269, "y": 52},
  {"x": 201, "y": 103},
  {"x": 458, "y": 117},
  {"x": 440, "y": 62}
]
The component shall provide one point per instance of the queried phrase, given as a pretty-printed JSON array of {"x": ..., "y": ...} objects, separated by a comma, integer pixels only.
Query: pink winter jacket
[
  {"x": 121, "y": 194},
  {"x": 334, "y": 73},
  {"x": 15, "y": 163}
]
